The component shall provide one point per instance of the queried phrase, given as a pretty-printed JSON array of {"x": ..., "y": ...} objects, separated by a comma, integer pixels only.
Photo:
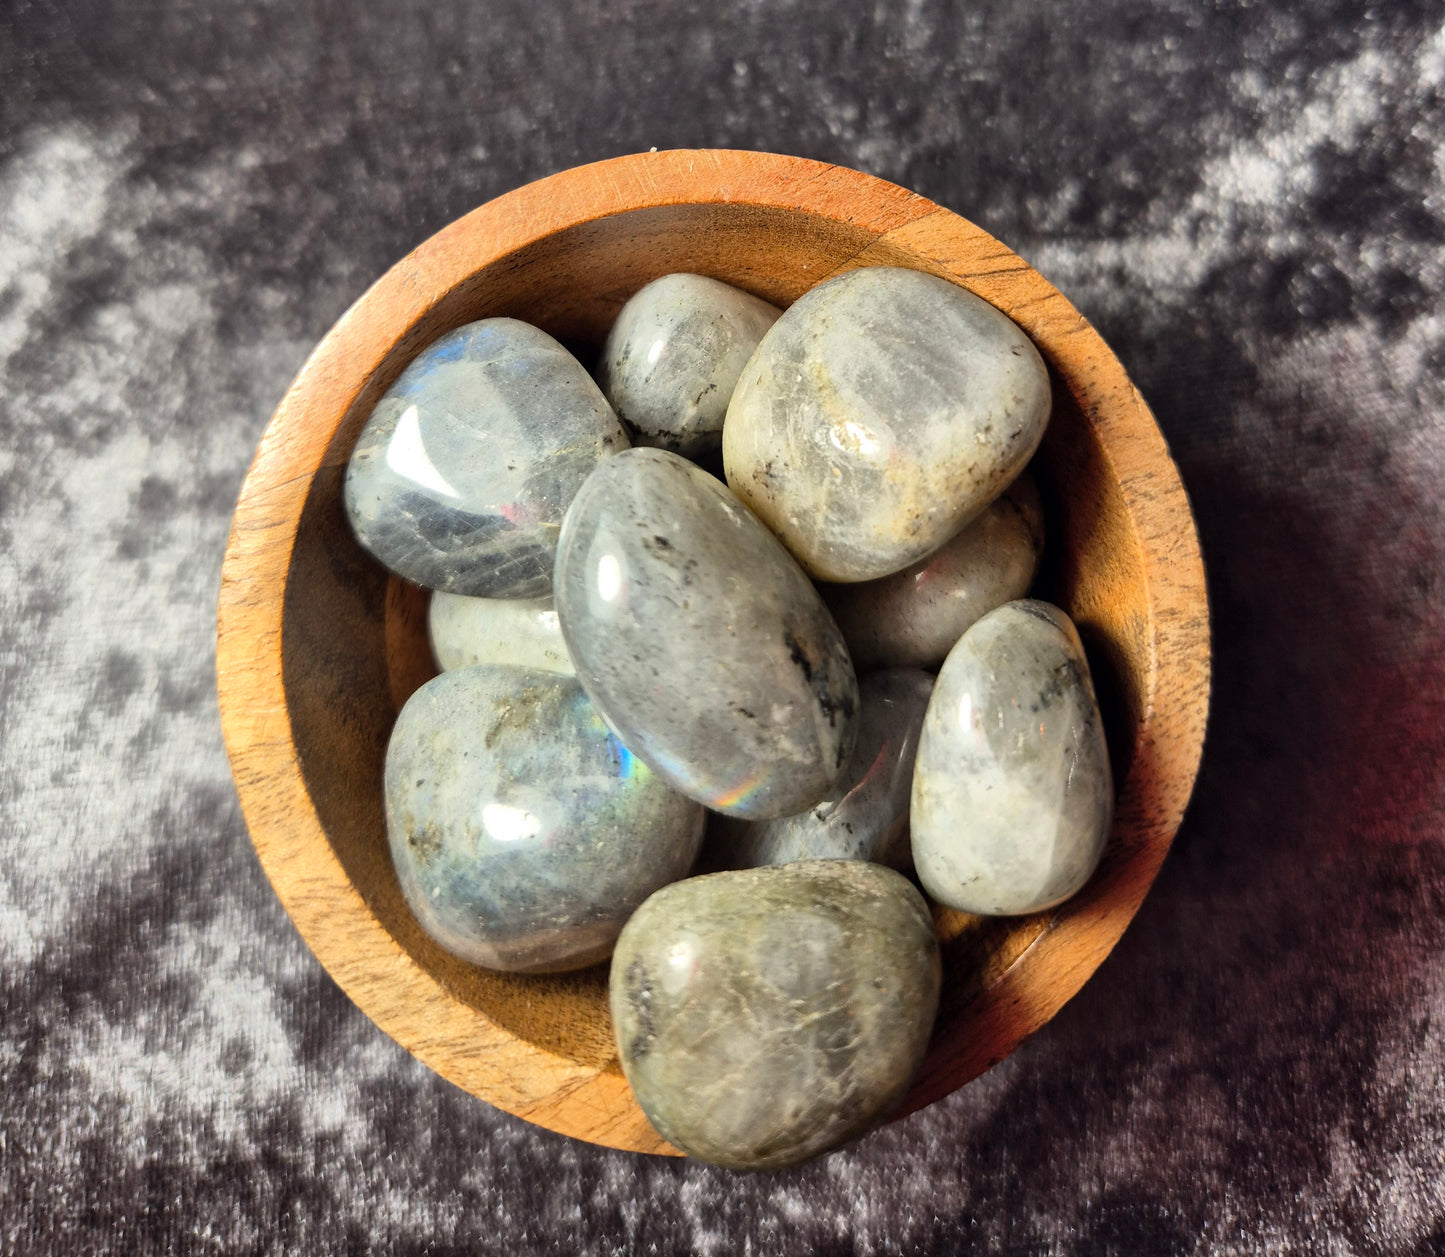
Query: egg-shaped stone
[
  {"x": 674, "y": 355},
  {"x": 1012, "y": 790},
  {"x": 523, "y": 833},
  {"x": 766, "y": 1015},
  {"x": 461, "y": 476},
  {"x": 912, "y": 618},
  {"x": 702, "y": 642},
  {"x": 865, "y": 815},
  {"x": 524, "y": 631},
  {"x": 882, "y": 412}
]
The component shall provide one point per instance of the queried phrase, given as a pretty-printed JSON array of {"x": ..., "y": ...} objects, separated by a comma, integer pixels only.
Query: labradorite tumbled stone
[
  {"x": 882, "y": 412},
  {"x": 523, "y": 832},
  {"x": 701, "y": 641},
  {"x": 912, "y": 618},
  {"x": 673, "y": 356},
  {"x": 460, "y": 478},
  {"x": 766, "y": 1015},
  {"x": 467, "y": 631},
  {"x": 865, "y": 816},
  {"x": 1012, "y": 792}
]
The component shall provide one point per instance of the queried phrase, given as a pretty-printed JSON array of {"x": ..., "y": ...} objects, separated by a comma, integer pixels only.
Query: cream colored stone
[
  {"x": 523, "y": 631},
  {"x": 883, "y": 411}
]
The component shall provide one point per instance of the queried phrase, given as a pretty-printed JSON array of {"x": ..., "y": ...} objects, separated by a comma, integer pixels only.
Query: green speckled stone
[
  {"x": 523, "y": 631},
  {"x": 766, "y": 1015}
]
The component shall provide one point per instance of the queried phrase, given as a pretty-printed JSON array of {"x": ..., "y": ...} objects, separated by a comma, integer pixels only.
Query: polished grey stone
[
  {"x": 766, "y": 1015},
  {"x": 1012, "y": 791},
  {"x": 523, "y": 833},
  {"x": 673, "y": 356},
  {"x": 912, "y": 618},
  {"x": 524, "y": 631},
  {"x": 865, "y": 816},
  {"x": 461, "y": 476},
  {"x": 882, "y": 412},
  {"x": 703, "y": 643}
]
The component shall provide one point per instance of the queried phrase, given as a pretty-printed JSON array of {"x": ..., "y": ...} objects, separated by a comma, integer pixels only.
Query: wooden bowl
[{"x": 318, "y": 647}]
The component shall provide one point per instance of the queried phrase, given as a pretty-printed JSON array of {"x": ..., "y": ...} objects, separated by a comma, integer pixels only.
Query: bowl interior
[{"x": 353, "y": 639}]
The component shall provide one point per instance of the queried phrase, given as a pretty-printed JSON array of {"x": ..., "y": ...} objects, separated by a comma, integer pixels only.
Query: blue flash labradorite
[
  {"x": 460, "y": 478},
  {"x": 523, "y": 833},
  {"x": 701, "y": 640},
  {"x": 865, "y": 816}
]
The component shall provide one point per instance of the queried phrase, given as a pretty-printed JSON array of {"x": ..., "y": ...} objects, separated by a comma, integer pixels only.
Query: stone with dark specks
[
  {"x": 865, "y": 816},
  {"x": 674, "y": 356},
  {"x": 1012, "y": 790},
  {"x": 701, "y": 640},
  {"x": 766, "y": 1015}
]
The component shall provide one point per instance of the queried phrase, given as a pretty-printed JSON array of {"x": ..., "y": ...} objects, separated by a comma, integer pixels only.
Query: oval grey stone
[
  {"x": 913, "y": 618},
  {"x": 523, "y": 833},
  {"x": 460, "y": 478},
  {"x": 674, "y": 355},
  {"x": 1012, "y": 791},
  {"x": 883, "y": 411},
  {"x": 465, "y": 632},
  {"x": 701, "y": 641},
  {"x": 865, "y": 816},
  {"x": 766, "y": 1015}
]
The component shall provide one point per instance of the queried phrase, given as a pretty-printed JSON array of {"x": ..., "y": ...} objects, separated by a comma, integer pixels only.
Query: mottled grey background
[{"x": 1248, "y": 199}]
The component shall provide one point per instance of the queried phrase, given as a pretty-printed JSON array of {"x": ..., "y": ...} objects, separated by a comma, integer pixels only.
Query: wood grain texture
[{"x": 318, "y": 647}]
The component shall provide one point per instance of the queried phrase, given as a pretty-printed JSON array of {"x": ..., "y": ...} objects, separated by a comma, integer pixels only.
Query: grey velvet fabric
[{"x": 1247, "y": 199}]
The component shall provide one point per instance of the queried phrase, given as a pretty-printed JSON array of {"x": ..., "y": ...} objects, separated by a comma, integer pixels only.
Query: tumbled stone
[
  {"x": 701, "y": 641},
  {"x": 673, "y": 356},
  {"x": 460, "y": 478},
  {"x": 912, "y": 618},
  {"x": 1012, "y": 792},
  {"x": 865, "y": 816},
  {"x": 882, "y": 412},
  {"x": 523, "y": 833},
  {"x": 524, "y": 631},
  {"x": 766, "y": 1015}
]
